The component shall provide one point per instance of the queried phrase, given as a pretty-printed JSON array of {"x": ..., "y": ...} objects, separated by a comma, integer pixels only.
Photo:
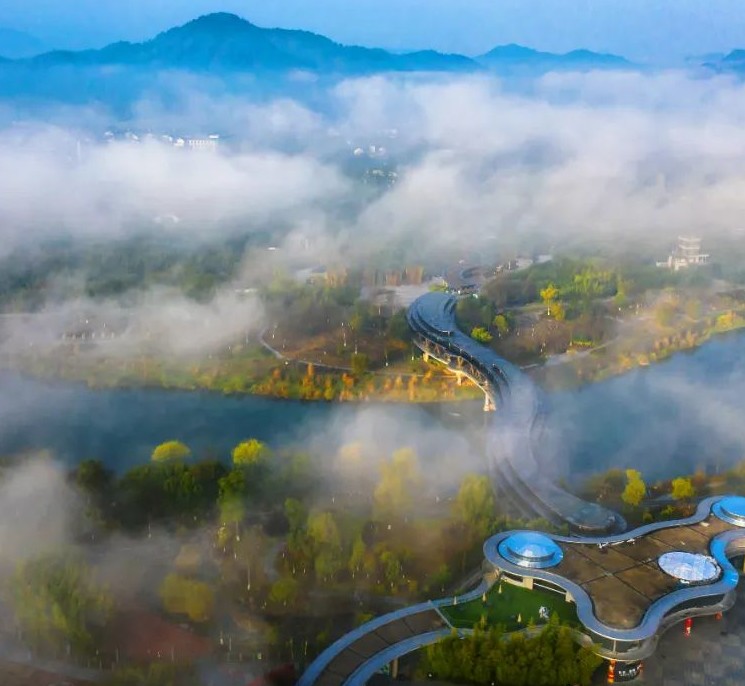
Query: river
[{"x": 664, "y": 420}]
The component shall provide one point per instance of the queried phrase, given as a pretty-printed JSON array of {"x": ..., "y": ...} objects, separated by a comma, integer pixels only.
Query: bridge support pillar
[
  {"x": 488, "y": 404},
  {"x": 394, "y": 669},
  {"x": 459, "y": 378},
  {"x": 425, "y": 355}
]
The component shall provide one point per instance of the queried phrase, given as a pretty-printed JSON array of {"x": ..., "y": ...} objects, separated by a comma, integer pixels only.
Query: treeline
[
  {"x": 111, "y": 268},
  {"x": 489, "y": 657},
  {"x": 172, "y": 490}
]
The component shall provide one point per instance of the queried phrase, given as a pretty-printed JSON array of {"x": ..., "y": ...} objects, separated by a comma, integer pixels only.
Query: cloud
[
  {"x": 481, "y": 161},
  {"x": 49, "y": 186},
  {"x": 159, "y": 321}
]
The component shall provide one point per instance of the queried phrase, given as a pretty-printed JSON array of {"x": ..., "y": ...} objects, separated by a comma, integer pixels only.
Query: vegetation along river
[{"x": 667, "y": 419}]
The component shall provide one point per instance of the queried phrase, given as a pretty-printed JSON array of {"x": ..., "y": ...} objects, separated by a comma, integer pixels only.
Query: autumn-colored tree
[
  {"x": 549, "y": 294},
  {"x": 170, "y": 450},
  {"x": 682, "y": 489},
  {"x": 480, "y": 334},
  {"x": 635, "y": 489},
  {"x": 249, "y": 452}
]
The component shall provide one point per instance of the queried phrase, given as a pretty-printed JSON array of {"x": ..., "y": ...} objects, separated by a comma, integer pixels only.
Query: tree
[
  {"x": 249, "y": 452},
  {"x": 502, "y": 325},
  {"x": 557, "y": 311},
  {"x": 549, "y": 294},
  {"x": 400, "y": 479},
  {"x": 635, "y": 489},
  {"x": 683, "y": 489},
  {"x": 360, "y": 364},
  {"x": 93, "y": 477},
  {"x": 475, "y": 505},
  {"x": 169, "y": 451},
  {"x": 480, "y": 334},
  {"x": 392, "y": 568},
  {"x": 323, "y": 530},
  {"x": 357, "y": 557},
  {"x": 184, "y": 596},
  {"x": 284, "y": 591},
  {"x": 57, "y": 604}
]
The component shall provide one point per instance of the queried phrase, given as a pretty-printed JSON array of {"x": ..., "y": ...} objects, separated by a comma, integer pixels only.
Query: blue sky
[{"x": 642, "y": 29}]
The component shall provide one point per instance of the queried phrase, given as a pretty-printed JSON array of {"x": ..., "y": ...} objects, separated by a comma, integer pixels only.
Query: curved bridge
[
  {"x": 623, "y": 598},
  {"x": 517, "y": 473}
]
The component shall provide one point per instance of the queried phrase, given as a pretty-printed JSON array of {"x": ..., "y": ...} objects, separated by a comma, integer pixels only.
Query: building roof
[
  {"x": 731, "y": 510},
  {"x": 530, "y": 549},
  {"x": 689, "y": 567}
]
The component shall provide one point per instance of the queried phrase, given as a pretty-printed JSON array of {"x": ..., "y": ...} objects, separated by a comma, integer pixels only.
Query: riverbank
[
  {"x": 245, "y": 372},
  {"x": 642, "y": 344}
]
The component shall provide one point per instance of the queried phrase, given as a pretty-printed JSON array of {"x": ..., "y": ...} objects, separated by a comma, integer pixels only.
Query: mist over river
[{"x": 666, "y": 419}]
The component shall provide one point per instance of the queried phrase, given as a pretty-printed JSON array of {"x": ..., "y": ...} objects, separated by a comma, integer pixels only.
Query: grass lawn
[{"x": 504, "y": 608}]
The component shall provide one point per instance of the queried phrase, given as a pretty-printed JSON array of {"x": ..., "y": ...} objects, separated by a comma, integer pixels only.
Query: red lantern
[
  {"x": 687, "y": 626},
  {"x": 611, "y": 671}
]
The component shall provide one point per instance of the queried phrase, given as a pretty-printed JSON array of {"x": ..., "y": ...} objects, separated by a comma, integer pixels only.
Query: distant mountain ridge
[
  {"x": 17, "y": 44},
  {"x": 512, "y": 54},
  {"x": 226, "y": 42}
]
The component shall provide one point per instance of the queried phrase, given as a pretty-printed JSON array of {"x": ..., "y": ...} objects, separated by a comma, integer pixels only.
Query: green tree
[
  {"x": 635, "y": 490},
  {"x": 683, "y": 489},
  {"x": 249, "y": 452},
  {"x": 392, "y": 568},
  {"x": 58, "y": 603},
  {"x": 475, "y": 504},
  {"x": 480, "y": 334},
  {"x": 170, "y": 450},
  {"x": 284, "y": 591},
  {"x": 360, "y": 364},
  {"x": 323, "y": 529},
  {"x": 184, "y": 596},
  {"x": 400, "y": 479},
  {"x": 357, "y": 557},
  {"x": 502, "y": 325}
]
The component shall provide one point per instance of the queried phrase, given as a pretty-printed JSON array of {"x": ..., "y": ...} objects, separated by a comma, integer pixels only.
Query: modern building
[{"x": 629, "y": 588}]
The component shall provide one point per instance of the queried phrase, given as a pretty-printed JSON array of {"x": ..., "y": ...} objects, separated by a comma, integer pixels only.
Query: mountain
[
  {"x": 225, "y": 42},
  {"x": 733, "y": 62},
  {"x": 16, "y": 44},
  {"x": 511, "y": 57}
]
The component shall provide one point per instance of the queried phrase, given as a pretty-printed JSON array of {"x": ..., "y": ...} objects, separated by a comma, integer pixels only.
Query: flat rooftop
[{"x": 624, "y": 579}]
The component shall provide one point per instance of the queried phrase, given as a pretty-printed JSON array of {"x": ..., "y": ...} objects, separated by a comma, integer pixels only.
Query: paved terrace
[{"x": 624, "y": 580}]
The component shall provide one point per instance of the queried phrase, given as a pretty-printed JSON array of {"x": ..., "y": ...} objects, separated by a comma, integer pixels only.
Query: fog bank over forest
[{"x": 567, "y": 156}]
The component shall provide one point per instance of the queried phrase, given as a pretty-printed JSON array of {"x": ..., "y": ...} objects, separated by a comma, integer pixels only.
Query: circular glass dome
[
  {"x": 689, "y": 567},
  {"x": 731, "y": 510},
  {"x": 529, "y": 549}
]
